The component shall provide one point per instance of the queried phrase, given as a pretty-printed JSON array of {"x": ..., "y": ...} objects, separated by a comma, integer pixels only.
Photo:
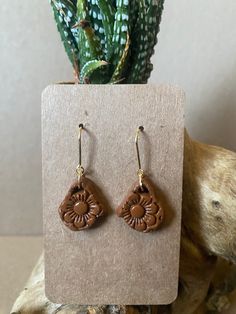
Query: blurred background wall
[{"x": 196, "y": 50}]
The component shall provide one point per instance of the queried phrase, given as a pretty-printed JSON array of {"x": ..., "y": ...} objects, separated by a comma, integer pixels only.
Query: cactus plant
[{"x": 109, "y": 41}]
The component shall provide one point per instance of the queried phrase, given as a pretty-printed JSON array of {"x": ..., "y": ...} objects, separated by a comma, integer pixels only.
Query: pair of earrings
[{"x": 82, "y": 207}]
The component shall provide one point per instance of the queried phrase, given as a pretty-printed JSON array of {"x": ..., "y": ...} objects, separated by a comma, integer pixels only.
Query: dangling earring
[
  {"x": 80, "y": 208},
  {"x": 140, "y": 208}
]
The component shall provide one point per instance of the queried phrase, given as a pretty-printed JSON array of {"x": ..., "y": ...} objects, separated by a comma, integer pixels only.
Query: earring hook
[
  {"x": 79, "y": 168},
  {"x": 140, "y": 171}
]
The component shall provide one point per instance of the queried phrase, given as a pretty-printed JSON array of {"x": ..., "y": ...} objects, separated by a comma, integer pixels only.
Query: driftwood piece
[
  {"x": 208, "y": 232},
  {"x": 222, "y": 285},
  {"x": 208, "y": 222}
]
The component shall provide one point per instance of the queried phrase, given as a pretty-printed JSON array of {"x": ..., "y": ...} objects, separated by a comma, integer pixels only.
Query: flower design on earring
[
  {"x": 140, "y": 209},
  {"x": 81, "y": 206},
  {"x": 80, "y": 209}
]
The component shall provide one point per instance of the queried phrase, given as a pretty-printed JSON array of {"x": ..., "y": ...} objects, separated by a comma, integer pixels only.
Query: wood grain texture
[
  {"x": 208, "y": 226},
  {"x": 112, "y": 264}
]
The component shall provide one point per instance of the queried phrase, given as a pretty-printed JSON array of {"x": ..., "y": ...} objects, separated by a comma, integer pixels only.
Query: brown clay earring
[
  {"x": 140, "y": 208},
  {"x": 81, "y": 207}
]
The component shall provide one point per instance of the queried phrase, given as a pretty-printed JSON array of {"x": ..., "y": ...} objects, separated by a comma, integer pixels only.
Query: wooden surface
[
  {"x": 112, "y": 264},
  {"x": 18, "y": 257}
]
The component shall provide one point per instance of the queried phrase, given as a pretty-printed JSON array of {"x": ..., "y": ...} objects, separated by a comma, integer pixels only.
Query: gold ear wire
[
  {"x": 77, "y": 211},
  {"x": 140, "y": 171},
  {"x": 79, "y": 168}
]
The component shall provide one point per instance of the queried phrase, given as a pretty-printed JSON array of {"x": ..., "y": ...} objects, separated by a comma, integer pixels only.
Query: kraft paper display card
[{"x": 112, "y": 263}]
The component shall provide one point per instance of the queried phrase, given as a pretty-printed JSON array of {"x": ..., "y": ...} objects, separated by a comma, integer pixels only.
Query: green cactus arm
[
  {"x": 134, "y": 9},
  {"x": 65, "y": 11},
  {"x": 65, "y": 16},
  {"x": 89, "y": 68},
  {"x": 154, "y": 17},
  {"x": 117, "y": 76},
  {"x": 90, "y": 44},
  {"x": 139, "y": 46},
  {"x": 96, "y": 21},
  {"x": 107, "y": 12},
  {"x": 145, "y": 40},
  {"x": 92, "y": 40},
  {"x": 101, "y": 75},
  {"x": 82, "y": 10},
  {"x": 121, "y": 30},
  {"x": 82, "y": 14}
]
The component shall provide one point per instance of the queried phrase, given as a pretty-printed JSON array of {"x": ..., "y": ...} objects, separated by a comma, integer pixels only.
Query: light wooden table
[{"x": 18, "y": 257}]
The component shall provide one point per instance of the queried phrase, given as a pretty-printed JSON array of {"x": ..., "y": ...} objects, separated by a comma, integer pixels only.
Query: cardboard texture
[{"x": 112, "y": 263}]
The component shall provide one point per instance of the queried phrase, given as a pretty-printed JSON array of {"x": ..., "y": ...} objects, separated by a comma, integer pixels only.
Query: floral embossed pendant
[
  {"x": 140, "y": 209},
  {"x": 81, "y": 207}
]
